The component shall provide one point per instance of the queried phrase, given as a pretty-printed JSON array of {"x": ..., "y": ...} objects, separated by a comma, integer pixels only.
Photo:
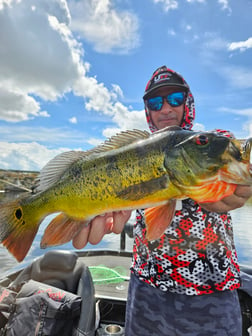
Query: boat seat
[{"x": 63, "y": 270}]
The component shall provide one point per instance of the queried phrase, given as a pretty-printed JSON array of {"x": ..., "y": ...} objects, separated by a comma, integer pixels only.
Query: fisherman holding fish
[
  {"x": 185, "y": 271},
  {"x": 185, "y": 282}
]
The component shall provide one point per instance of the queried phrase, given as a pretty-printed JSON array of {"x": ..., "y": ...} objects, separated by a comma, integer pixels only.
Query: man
[{"x": 185, "y": 282}]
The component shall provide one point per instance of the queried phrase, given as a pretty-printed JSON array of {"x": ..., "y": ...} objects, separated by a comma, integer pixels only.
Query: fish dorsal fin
[
  {"x": 55, "y": 168},
  {"x": 121, "y": 139}
]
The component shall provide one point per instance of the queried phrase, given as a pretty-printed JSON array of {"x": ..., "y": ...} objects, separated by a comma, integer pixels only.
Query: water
[
  {"x": 242, "y": 219},
  {"x": 9, "y": 264}
]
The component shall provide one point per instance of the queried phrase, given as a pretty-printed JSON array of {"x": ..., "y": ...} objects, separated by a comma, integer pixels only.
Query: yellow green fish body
[{"x": 131, "y": 170}]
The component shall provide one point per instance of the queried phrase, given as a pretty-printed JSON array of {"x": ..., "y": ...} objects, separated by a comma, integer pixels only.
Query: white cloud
[
  {"x": 202, "y": 1},
  {"x": 173, "y": 4},
  {"x": 237, "y": 77},
  {"x": 108, "y": 132},
  {"x": 38, "y": 51},
  {"x": 214, "y": 42},
  {"x": 26, "y": 156},
  {"x": 95, "y": 142},
  {"x": 225, "y": 4},
  {"x": 248, "y": 127},
  {"x": 100, "y": 99},
  {"x": 40, "y": 58},
  {"x": 45, "y": 135},
  {"x": 171, "y": 32},
  {"x": 242, "y": 45},
  {"x": 168, "y": 4},
  {"x": 117, "y": 91},
  {"x": 126, "y": 120},
  {"x": 16, "y": 106},
  {"x": 73, "y": 120},
  {"x": 243, "y": 112},
  {"x": 105, "y": 27},
  {"x": 210, "y": 47},
  {"x": 199, "y": 127},
  {"x": 211, "y": 50}
]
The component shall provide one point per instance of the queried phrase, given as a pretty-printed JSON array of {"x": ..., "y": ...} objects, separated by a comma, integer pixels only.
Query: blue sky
[{"x": 73, "y": 73}]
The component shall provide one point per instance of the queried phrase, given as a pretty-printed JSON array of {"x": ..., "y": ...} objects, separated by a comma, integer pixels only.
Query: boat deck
[
  {"x": 111, "y": 291},
  {"x": 111, "y": 297}
]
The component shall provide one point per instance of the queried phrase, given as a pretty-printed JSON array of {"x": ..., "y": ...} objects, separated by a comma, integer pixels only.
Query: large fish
[{"x": 133, "y": 169}]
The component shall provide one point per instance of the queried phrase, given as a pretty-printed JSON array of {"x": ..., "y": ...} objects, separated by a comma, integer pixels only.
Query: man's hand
[
  {"x": 99, "y": 226},
  {"x": 237, "y": 200}
]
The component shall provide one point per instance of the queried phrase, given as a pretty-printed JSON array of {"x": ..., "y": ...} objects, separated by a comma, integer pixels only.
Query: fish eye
[
  {"x": 18, "y": 213},
  {"x": 201, "y": 140}
]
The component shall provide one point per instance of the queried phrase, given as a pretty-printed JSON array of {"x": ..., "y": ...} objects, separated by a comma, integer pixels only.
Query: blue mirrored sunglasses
[{"x": 174, "y": 99}]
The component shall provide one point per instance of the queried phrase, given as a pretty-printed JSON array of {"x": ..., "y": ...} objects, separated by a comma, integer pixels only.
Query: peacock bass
[{"x": 133, "y": 169}]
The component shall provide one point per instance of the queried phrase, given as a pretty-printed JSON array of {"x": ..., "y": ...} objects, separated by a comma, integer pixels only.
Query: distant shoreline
[
  {"x": 18, "y": 171},
  {"x": 22, "y": 178}
]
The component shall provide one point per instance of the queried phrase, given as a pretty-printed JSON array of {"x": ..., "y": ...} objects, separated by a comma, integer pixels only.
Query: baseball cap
[{"x": 164, "y": 77}]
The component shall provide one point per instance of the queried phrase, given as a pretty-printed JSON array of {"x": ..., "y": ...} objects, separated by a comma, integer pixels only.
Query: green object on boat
[{"x": 103, "y": 275}]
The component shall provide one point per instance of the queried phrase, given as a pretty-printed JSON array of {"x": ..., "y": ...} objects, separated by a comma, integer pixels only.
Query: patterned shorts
[{"x": 151, "y": 312}]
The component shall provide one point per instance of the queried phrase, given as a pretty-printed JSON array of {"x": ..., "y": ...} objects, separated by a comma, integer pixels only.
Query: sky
[{"x": 73, "y": 72}]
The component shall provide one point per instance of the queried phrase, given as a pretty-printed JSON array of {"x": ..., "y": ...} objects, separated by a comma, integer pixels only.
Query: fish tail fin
[{"x": 17, "y": 228}]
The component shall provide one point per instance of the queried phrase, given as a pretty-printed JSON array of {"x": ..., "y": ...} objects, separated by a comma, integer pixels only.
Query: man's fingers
[
  {"x": 218, "y": 207},
  {"x": 99, "y": 227},
  {"x": 244, "y": 191},
  {"x": 119, "y": 220},
  {"x": 238, "y": 199},
  {"x": 81, "y": 239}
]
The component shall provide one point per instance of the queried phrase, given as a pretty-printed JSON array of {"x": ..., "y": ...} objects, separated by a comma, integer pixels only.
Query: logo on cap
[{"x": 162, "y": 77}]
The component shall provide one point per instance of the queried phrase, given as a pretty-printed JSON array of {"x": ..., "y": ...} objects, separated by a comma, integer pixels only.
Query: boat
[
  {"x": 16, "y": 187},
  {"x": 99, "y": 277},
  {"x": 96, "y": 279}
]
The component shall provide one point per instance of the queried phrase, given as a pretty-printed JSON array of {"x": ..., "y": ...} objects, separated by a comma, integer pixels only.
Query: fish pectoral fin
[
  {"x": 158, "y": 218},
  {"x": 61, "y": 230}
]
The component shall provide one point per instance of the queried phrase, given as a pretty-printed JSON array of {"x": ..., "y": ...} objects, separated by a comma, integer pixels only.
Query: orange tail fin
[{"x": 17, "y": 229}]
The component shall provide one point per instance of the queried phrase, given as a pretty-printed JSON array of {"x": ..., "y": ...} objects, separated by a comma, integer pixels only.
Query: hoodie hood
[{"x": 164, "y": 76}]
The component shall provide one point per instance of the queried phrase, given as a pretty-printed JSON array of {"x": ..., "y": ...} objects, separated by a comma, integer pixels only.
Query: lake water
[{"x": 242, "y": 219}]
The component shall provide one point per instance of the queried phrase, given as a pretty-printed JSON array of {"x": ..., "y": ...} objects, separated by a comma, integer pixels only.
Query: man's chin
[{"x": 166, "y": 123}]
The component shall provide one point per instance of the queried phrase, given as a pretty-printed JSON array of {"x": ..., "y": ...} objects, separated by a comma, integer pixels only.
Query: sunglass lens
[
  {"x": 155, "y": 103},
  {"x": 176, "y": 98}
]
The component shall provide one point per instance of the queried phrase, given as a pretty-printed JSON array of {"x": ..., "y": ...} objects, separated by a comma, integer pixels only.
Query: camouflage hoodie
[{"x": 196, "y": 254}]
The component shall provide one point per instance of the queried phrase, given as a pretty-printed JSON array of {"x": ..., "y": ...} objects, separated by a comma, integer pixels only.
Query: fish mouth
[
  {"x": 239, "y": 167},
  {"x": 235, "y": 149},
  {"x": 241, "y": 149},
  {"x": 247, "y": 153}
]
